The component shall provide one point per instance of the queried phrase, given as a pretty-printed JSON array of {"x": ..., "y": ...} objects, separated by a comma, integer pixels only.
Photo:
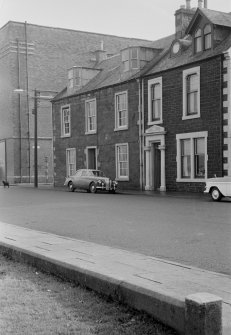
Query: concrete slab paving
[{"x": 154, "y": 285}]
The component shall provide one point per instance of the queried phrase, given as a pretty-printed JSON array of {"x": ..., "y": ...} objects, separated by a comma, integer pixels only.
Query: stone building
[
  {"x": 37, "y": 57},
  {"x": 156, "y": 116}
]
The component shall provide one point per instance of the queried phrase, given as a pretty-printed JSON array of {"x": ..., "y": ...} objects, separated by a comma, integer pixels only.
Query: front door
[
  {"x": 91, "y": 159},
  {"x": 156, "y": 166}
]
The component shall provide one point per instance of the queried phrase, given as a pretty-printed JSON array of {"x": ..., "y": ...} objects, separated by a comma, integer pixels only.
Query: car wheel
[
  {"x": 71, "y": 187},
  {"x": 216, "y": 194},
  {"x": 92, "y": 188}
]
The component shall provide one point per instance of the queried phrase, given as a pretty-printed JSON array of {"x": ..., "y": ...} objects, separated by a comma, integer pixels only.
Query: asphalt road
[{"x": 189, "y": 230}]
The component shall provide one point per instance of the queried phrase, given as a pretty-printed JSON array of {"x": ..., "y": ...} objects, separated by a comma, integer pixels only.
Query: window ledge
[
  {"x": 188, "y": 117},
  {"x": 64, "y": 136},
  {"x": 151, "y": 123},
  {"x": 122, "y": 128},
  {"x": 123, "y": 179},
  {"x": 191, "y": 180},
  {"x": 90, "y": 132}
]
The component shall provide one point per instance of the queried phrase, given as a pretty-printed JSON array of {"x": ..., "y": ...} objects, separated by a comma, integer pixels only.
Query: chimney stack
[
  {"x": 183, "y": 17},
  {"x": 188, "y": 4},
  {"x": 200, "y": 2}
]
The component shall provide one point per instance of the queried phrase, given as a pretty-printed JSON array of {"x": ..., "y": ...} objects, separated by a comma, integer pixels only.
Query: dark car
[{"x": 91, "y": 181}]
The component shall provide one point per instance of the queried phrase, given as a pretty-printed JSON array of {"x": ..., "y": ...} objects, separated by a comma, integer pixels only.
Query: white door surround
[{"x": 154, "y": 134}]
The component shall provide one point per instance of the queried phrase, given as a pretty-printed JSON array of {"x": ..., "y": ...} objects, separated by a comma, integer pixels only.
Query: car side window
[
  {"x": 78, "y": 174},
  {"x": 84, "y": 173}
]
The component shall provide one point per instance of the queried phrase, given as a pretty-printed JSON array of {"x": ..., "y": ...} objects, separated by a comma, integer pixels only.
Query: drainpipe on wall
[
  {"x": 28, "y": 109},
  {"x": 140, "y": 133},
  {"x": 140, "y": 110},
  {"x": 142, "y": 128},
  {"x": 19, "y": 114},
  {"x": 228, "y": 62}
]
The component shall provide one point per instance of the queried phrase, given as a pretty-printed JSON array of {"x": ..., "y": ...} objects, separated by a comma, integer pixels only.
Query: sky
[{"x": 145, "y": 19}]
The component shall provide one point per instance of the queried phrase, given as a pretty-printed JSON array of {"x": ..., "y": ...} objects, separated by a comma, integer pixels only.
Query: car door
[{"x": 76, "y": 178}]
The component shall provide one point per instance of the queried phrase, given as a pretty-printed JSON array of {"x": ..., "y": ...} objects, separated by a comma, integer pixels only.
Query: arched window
[
  {"x": 207, "y": 37},
  {"x": 198, "y": 41}
]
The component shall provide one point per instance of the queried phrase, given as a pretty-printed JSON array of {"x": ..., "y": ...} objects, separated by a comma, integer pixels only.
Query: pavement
[{"x": 154, "y": 285}]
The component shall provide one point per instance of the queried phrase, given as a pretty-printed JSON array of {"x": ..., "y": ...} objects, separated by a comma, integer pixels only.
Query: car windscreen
[{"x": 98, "y": 173}]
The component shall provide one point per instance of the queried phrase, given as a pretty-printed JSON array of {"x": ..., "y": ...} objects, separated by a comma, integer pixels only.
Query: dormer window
[
  {"x": 207, "y": 37},
  {"x": 74, "y": 77},
  {"x": 198, "y": 41},
  {"x": 136, "y": 57},
  {"x": 130, "y": 59}
]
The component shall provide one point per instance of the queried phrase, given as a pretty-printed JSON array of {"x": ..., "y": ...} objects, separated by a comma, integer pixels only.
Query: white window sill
[
  {"x": 189, "y": 117},
  {"x": 123, "y": 179},
  {"x": 64, "y": 136},
  {"x": 191, "y": 180},
  {"x": 122, "y": 128},
  {"x": 90, "y": 132},
  {"x": 151, "y": 123}
]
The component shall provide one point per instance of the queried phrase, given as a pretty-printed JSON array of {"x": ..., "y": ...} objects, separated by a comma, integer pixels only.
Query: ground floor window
[
  {"x": 192, "y": 156},
  {"x": 122, "y": 161},
  {"x": 71, "y": 161}
]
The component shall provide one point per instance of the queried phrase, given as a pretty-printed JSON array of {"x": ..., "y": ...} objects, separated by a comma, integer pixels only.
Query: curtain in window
[
  {"x": 121, "y": 107},
  {"x": 156, "y": 101},
  {"x": 207, "y": 37},
  {"x": 71, "y": 161},
  {"x": 192, "y": 94},
  {"x": 91, "y": 115},
  {"x": 198, "y": 41},
  {"x": 186, "y": 158},
  {"x": 122, "y": 155},
  {"x": 66, "y": 121},
  {"x": 199, "y": 157}
]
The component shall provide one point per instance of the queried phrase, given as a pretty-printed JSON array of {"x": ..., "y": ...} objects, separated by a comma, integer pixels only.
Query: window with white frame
[
  {"x": 121, "y": 111},
  {"x": 155, "y": 101},
  {"x": 191, "y": 93},
  {"x": 192, "y": 156},
  {"x": 122, "y": 161},
  {"x": 90, "y": 116},
  {"x": 207, "y": 37},
  {"x": 65, "y": 121},
  {"x": 130, "y": 58},
  {"x": 198, "y": 40},
  {"x": 71, "y": 161}
]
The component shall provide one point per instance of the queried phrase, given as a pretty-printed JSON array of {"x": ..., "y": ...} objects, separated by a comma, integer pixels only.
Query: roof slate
[
  {"x": 110, "y": 68},
  {"x": 110, "y": 73},
  {"x": 216, "y": 17}
]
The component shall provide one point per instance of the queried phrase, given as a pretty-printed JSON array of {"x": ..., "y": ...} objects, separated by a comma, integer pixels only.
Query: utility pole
[{"x": 35, "y": 138}]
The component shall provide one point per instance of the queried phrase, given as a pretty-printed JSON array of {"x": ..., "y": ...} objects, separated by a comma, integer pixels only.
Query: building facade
[
  {"x": 37, "y": 57},
  {"x": 158, "y": 118}
]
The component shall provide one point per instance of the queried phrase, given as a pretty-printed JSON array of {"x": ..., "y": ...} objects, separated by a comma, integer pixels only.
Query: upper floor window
[
  {"x": 121, "y": 111},
  {"x": 198, "y": 40},
  {"x": 65, "y": 121},
  {"x": 90, "y": 116},
  {"x": 155, "y": 101},
  {"x": 130, "y": 58},
  {"x": 134, "y": 58},
  {"x": 191, "y": 93},
  {"x": 74, "y": 77},
  {"x": 207, "y": 37}
]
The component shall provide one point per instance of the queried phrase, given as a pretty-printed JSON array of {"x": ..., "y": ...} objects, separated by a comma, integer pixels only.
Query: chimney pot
[
  {"x": 205, "y": 4},
  {"x": 188, "y": 4},
  {"x": 200, "y": 3}
]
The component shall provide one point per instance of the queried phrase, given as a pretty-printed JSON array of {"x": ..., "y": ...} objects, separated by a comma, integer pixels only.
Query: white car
[{"x": 218, "y": 187}]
